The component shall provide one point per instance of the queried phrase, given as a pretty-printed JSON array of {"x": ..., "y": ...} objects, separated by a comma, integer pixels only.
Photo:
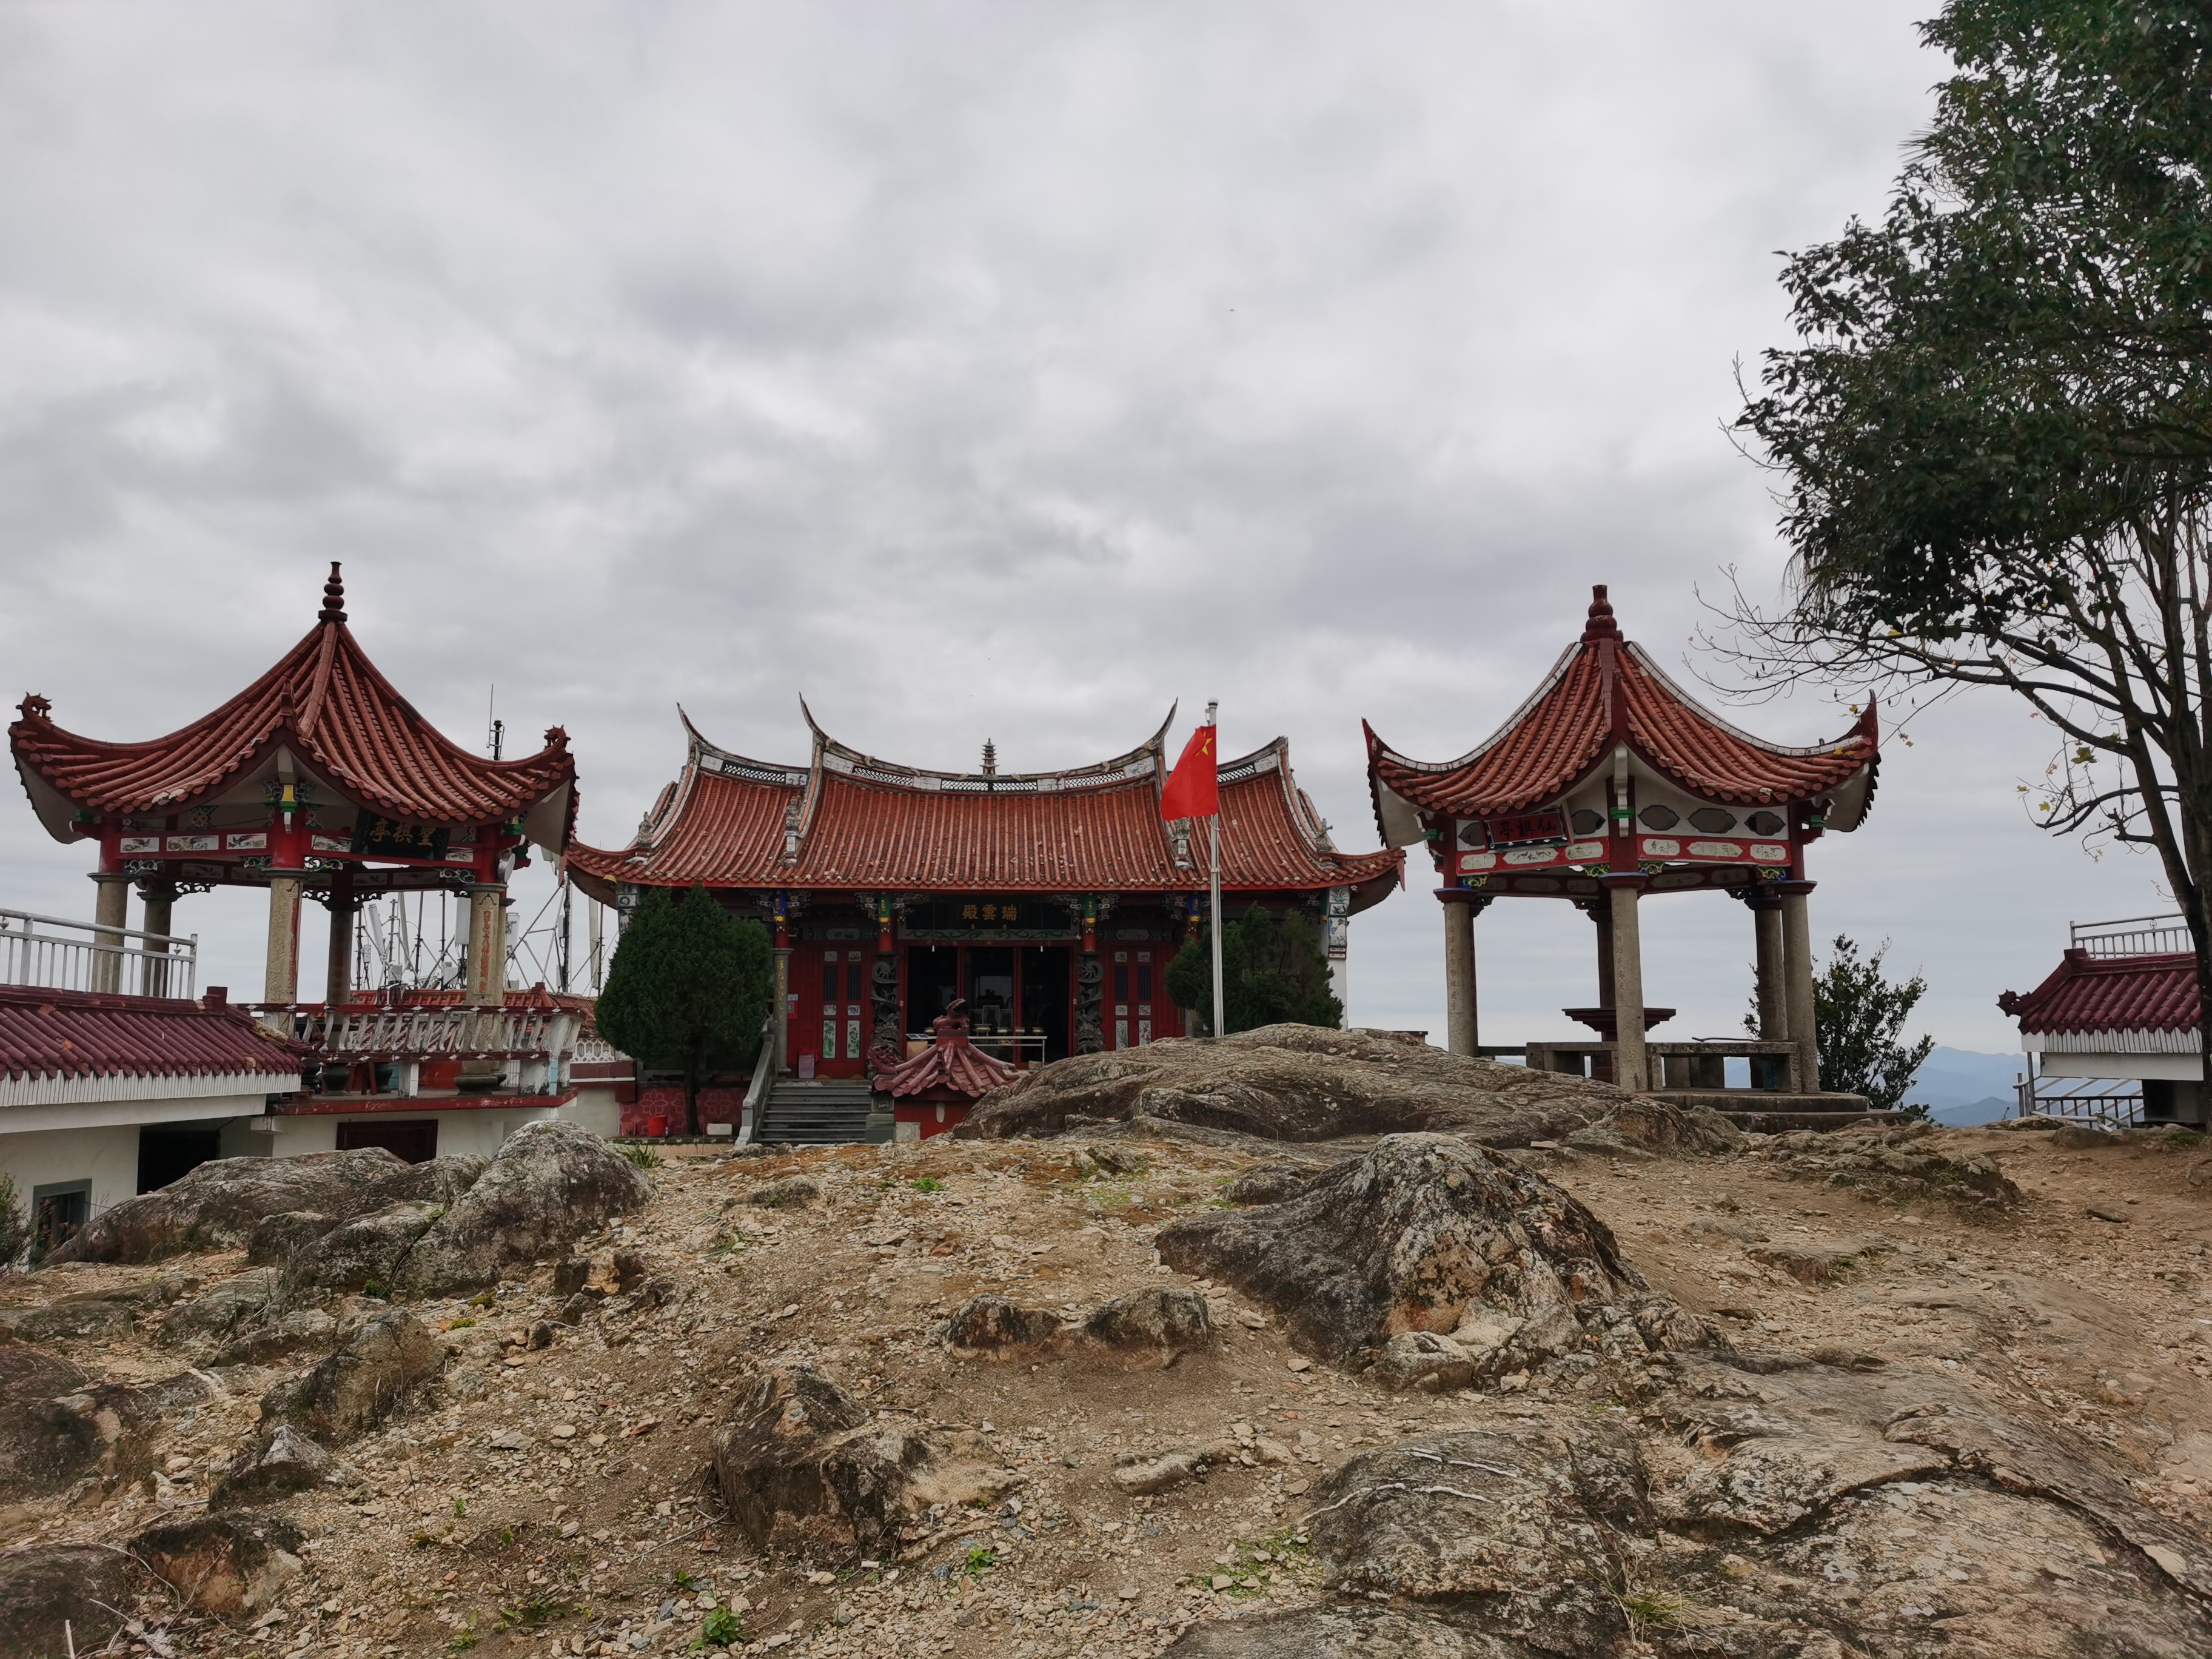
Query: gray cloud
[{"x": 979, "y": 370}]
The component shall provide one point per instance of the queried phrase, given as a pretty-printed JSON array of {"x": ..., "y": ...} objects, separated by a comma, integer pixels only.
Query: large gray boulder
[
  {"x": 805, "y": 1472},
  {"x": 43, "y": 1445},
  {"x": 1297, "y": 1083},
  {"x": 218, "y": 1206},
  {"x": 546, "y": 1185},
  {"x": 1439, "y": 1260},
  {"x": 89, "y": 1590},
  {"x": 224, "y": 1564},
  {"x": 366, "y": 1251},
  {"x": 282, "y": 1461},
  {"x": 366, "y": 1381}
]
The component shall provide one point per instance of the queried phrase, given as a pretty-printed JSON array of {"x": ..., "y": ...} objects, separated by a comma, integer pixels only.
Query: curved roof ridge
[
  {"x": 701, "y": 743},
  {"x": 873, "y": 770},
  {"x": 1805, "y": 752}
]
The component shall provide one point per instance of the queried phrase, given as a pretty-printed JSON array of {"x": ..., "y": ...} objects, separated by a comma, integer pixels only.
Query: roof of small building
[
  {"x": 328, "y": 704},
  {"x": 76, "y": 1034},
  {"x": 1606, "y": 691},
  {"x": 2087, "y": 993},
  {"x": 846, "y": 820}
]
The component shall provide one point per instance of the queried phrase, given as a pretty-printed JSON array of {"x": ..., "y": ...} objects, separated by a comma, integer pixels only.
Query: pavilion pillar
[
  {"x": 160, "y": 898},
  {"x": 1802, "y": 1024},
  {"x": 111, "y": 915},
  {"x": 280, "y": 973},
  {"x": 1631, "y": 1068},
  {"x": 338, "y": 979},
  {"x": 1462, "y": 1026},
  {"x": 487, "y": 969},
  {"x": 1601, "y": 914}
]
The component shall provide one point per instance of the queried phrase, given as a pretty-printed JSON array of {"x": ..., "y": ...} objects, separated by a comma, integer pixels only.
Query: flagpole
[{"x": 1213, "y": 914}]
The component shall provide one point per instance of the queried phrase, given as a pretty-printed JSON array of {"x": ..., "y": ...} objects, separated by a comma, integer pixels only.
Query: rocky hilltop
[{"x": 1398, "y": 1377}]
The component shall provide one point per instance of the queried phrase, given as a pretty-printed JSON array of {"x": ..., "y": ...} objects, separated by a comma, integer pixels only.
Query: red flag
[{"x": 1190, "y": 792}]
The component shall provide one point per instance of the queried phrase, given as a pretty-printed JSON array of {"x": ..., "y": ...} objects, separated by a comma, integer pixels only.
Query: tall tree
[
  {"x": 688, "y": 990},
  {"x": 1994, "y": 433},
  {"x": 1274, "y": 971}
]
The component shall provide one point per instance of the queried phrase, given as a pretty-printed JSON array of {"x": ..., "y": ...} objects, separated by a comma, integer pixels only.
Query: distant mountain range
[{"x": 1961, "y": 1087}]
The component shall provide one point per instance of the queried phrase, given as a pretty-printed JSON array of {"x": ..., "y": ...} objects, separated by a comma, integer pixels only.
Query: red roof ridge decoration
[
  {"x": 2085, "y": 993},
  {"x": 326, "y": 702},
  {"x": 851, "y": 820},
  {"x": 46, "y": 1033},
  {"x": 1603, "y": 691}
]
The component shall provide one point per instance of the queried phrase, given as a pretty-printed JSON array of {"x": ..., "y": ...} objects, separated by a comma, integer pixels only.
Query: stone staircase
[{"x": 824, "y": 1112}]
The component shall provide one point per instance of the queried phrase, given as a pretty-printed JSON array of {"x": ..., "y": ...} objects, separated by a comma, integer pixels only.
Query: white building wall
[
  {"x": 106, "y": 1156},
  {"x": 460, "y": 1134}
]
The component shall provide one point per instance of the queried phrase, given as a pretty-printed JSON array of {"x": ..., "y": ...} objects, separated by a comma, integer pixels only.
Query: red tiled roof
[
  {"x": 327, "y": 702},
  {"x": 1604, "y": 690},
  {"x": 866, "y": 825},
  {"x": 2113, "y": 993},
  {"x": 76, "y": 1034}
]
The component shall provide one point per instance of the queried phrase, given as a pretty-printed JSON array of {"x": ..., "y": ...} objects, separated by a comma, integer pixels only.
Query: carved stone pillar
[
  {"x": 1797, "y": 983},
  {"x": 111, "y": 915},
  {"x": 160, "y": 898},
  {"x": 280, "y": 973},
  {"x": 486, "y": 966},
  {"x": 1631, "y": 1068}
]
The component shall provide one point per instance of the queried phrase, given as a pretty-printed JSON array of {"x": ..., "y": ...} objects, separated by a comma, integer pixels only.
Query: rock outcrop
[
  {"x": 219, "y": 1205},
  {"x": 546, "y": 1185},
  {"x": 1154, "y": 1326},
  {"x": 43, "y": 1445},
  {"x": 224, "y": 1564},
  {"x": 803, "y": 1470},
  {"x": 282, "y": 1460},
  {"x": 1438, "y": 1260},
  {"x": 1881, "y": 1162},
  {"x": 53, "y": 1595},
  {"x": 365, "y": 1381},
  {"x": 1297, "y": 1083}
]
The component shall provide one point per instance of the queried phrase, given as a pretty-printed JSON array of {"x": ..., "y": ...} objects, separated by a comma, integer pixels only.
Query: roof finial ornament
[
  {"x": 333, "y": 596},
  {"x": 1601, "y": 625},
  {"x": 990, "y": 758}
]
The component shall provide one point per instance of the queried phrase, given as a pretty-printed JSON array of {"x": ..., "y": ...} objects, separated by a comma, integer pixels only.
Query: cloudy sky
[{"x": 979, "y": 371}]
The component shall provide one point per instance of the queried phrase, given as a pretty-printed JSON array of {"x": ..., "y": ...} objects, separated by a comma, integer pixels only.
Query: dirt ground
[{"x": 557, "y": 1500}]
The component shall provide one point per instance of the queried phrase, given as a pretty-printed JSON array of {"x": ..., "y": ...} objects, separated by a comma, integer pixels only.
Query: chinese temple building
[
  {"x": 1051, "y": 902},
  {"x": 317, "y": 781},
  {"x": 1609, "y": 786}
]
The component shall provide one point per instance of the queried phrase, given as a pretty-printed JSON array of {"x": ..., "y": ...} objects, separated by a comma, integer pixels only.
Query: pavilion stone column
[
  {"x": 1803, "y": 1029},
  {"x": 280, "y": 974},
  {"x": 487, "y": 972},
  {"x": 111, "y": 915},
  {"x": 337, "y": 980},
  {"x": 1601, "y": 915},
  {"x": 160, "y": 898},
  {"x": 1773, "y": 1007},
  {"x": 1461, "y": 1025},
  {"x": 1630, "y": 1066}
]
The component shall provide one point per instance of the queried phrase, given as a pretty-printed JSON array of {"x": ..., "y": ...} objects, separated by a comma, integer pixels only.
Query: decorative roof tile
[
  {"x": 1605, "y": 690},
  {"x": 75, "y": 1033},
  {"x": 327, "y": 702},
  {"x": 849, "y": 821},
  {"x": 2087, "y": 993}
]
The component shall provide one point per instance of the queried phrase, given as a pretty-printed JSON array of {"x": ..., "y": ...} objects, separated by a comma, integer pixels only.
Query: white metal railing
[
  {"x": 405, "y": 1034},
  {"x": 2131, "y": 936},
  {"x": 58, "y": 954},
  {"x": 764, "y": 1078}
]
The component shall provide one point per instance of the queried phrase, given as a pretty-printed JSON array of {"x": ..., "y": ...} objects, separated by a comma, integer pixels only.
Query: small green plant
[
  {"x": 505, "y": 1537},
  {"x": 681, "y": 1579},
  {"x": 423, "y": 1541},
  {"x": 373, "y": 1287},
  {"x": 1649, "y": 1609},
  {"x": 462, "y": 1324},
  {"x": 644, "y": 1156},
  {"x": 927, "y": 1184},
  {"x": 460, "y": 1507},
  {"x": 980, "y": 1559},
  {"x": 721, "y": 1630},
  {"x": 482, "y": 1299},
  {"x": 464, "y": 1638},
  {"x": 531, "y": 1614}
]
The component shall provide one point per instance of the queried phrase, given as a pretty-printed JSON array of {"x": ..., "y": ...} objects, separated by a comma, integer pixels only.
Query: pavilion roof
[
  {"x": 327, "y": 703},
  {"x": 1606, "y": 691},
  {"x": 2085, "y": 993},
  {"x": 849, "y": 821}
]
